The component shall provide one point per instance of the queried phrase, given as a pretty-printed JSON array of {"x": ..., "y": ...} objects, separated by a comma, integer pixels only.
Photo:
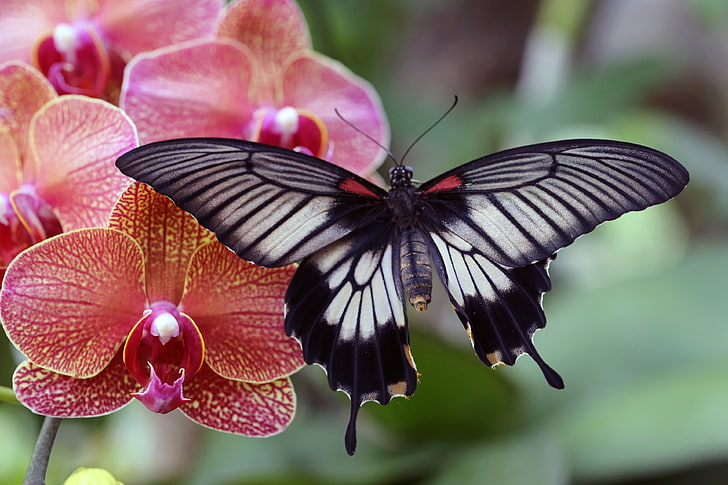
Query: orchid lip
[
  {"x": 293, "y": 128},
  {"x": 161, "y": 397},
  {"x": 162, "y": 351}
]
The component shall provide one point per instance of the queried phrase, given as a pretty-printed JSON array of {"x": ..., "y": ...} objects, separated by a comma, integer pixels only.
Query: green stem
[
  {"x": 42, "y": 452},
  {"x": 7, "y": 395}
]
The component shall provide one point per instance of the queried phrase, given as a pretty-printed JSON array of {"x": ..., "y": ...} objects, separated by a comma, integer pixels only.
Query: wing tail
[{"x": 499, "y": 307}]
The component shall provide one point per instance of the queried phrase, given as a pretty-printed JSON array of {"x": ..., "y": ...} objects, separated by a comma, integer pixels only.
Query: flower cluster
[{"x": 109, "y": 290}]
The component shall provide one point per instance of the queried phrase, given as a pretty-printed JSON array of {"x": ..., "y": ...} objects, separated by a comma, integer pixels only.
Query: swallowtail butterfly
[{"x": 488, "y": 228}]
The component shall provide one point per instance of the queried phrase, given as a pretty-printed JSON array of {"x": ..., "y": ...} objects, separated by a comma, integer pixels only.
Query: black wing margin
[
  {"x": 270, "y": 205},
  {"x": 345, "y": 306},
  {"x": 500, "y": 308},
  {"x": 519, "y": 206}
]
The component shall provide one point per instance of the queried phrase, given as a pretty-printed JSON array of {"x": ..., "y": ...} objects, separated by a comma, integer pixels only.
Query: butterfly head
[{"x": 400, "y": 176}]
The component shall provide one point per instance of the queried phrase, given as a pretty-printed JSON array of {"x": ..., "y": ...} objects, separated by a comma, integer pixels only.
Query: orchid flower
[
  {"x": 152, "y": 307},
  {"x": 259, "y": 80}
]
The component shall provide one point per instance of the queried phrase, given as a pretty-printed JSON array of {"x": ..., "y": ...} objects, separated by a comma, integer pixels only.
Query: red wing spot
[
  {"x": 354, "y": 187},
  {"x": 448, "y": 183}
]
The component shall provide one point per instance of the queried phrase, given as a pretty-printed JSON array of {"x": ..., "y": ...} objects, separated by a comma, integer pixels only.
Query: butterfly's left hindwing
[
  {"x": 345, "y": 306},
  {"x": 499, "y": 307}
]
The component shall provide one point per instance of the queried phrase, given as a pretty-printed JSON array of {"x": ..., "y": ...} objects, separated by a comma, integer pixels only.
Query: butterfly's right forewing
[{"x": 271, "y": 206}]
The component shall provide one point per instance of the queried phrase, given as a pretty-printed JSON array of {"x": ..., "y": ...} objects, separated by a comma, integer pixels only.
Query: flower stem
[
  {"x": 42, "y": 452},
  {"x": 7, "y": 395}
]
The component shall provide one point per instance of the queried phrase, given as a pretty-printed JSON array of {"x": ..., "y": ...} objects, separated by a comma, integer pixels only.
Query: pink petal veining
[
  {"x": 75, "y": 142},
  {"x": 196, "y": 89}
]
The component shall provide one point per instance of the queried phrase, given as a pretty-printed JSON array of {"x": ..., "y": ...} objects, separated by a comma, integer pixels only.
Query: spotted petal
[
  {"x": 69, "y": 302},
  {"x": 46, "y": 392},
  {"x": 239, "y": 407},
  {"x": 167, "y": 235},
  {"x": 75, "y": 141},
  {"x": 238, "y": 308}
]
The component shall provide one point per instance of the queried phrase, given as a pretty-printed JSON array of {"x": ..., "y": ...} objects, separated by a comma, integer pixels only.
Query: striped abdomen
[{"x": 415, "y": 269}]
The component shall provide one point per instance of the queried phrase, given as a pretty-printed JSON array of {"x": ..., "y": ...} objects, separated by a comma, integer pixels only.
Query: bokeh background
[{"x": 638, "y": 325}]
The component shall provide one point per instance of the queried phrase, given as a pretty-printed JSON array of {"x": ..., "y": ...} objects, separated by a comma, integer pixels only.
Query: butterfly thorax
[
  {"x": 415, "y": 269},
  {"x": 401, "y": 199}
]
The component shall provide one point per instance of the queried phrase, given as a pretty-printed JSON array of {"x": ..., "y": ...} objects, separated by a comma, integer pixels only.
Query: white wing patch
[
  {"x": 470, "y": 274},
  {"x": 363, "y": 292}
]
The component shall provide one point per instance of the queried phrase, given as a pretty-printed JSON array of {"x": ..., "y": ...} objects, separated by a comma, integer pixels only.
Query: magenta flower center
[
  {"x": 76, "y": 61},
  {"x": 25, "y": 220},
  {"x": 295, "y": 129},
  {"x": 161, "y": 352}
]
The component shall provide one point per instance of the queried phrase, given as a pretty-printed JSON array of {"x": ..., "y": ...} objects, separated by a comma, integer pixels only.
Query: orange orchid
[{"x": 152, "y": 307}]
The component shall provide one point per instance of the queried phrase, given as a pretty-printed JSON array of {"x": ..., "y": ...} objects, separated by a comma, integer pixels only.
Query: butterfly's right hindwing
[
  {"x": 269, "y": 205},
  {"x": 345, "y": 306}
]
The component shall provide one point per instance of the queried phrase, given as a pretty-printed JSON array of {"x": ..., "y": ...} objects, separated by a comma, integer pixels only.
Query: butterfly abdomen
[{"x": 415, "y": 269}]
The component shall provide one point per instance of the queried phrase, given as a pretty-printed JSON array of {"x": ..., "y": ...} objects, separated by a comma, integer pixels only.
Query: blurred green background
[{"x": 637, "y": 322}]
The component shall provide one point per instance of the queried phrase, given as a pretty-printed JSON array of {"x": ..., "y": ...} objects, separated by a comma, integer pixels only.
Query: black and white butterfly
[{"x": 488, "y": 228}]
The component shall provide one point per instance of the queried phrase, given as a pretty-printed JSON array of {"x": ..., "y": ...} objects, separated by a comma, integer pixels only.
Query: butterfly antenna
[
  {"x": 366, "y": 135},
  {"x": 437, "y": 122}
]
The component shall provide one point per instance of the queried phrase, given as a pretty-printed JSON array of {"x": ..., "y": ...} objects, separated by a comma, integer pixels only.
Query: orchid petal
[
  {"x": 68, "y": 302},
  {"x": 194, "y": 89},
  {"x": 46, "y": 392},
  {"x": 136, "y": 26},
  {"x": 75, "y": 141},
  {"x": 238, "y": 308},
  {"x": 167, "y": 235},
  {"x": 23, "y": 91},
  {"x": 10, "y": 171},
  {"x": 239, "y": 407},
  {"x": 271, "y": 29},
  {"x": 22, "y": 22},
  {"x": 322, "y": 85}
]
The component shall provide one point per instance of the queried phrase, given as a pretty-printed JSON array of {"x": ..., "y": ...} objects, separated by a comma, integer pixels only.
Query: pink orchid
[
  {"x": 57, "y": 158},
  {"x": 82, "y": 46},
  {"x": 258, "y": 80},
  {"x": 152, "y": 307}
]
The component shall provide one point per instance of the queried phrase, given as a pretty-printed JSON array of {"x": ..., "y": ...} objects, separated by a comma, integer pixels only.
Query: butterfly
[{"x": 488, "y": 229}]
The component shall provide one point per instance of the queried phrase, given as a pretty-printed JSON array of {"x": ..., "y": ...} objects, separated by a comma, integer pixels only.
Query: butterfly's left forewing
[
  {"x": 519, "y": 206},
  {"x": 345, "y": 306},
  {"x": 269, "y": 205}
]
